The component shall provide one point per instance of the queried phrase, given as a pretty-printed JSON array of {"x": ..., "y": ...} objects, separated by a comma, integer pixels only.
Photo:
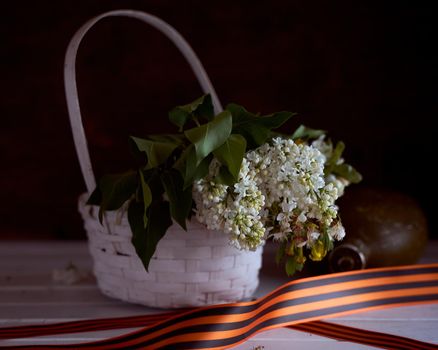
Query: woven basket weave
[{"x": 192, "y": 268}]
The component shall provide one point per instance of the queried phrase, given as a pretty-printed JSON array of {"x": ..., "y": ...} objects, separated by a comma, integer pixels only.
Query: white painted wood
[
  {"x": 28, "y": 298},
  {"x": 71, "y": 90}
]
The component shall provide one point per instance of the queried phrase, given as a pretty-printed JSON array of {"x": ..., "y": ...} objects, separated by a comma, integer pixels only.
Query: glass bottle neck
[{"x": 351, "y": 255}]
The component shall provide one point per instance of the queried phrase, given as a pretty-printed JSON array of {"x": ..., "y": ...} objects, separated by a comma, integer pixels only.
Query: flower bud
[{"x": 318, "y": 251}]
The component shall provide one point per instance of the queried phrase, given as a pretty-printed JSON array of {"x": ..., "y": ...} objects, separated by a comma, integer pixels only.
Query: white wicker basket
[{"x": 192, "y": 268}]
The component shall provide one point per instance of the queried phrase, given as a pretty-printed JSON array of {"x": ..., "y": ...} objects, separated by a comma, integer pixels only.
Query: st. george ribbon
[{"x": 300, "y": 305}]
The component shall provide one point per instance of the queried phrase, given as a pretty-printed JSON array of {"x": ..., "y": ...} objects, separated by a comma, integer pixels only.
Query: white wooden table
[{"x": 29, "y": 295}]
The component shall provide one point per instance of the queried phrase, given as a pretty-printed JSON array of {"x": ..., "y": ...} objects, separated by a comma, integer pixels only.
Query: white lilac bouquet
[{"x": 235, "y": 174}]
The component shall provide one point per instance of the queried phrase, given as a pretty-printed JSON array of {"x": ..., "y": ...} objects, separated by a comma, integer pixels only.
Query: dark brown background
[{"x": 362, "y": 71}]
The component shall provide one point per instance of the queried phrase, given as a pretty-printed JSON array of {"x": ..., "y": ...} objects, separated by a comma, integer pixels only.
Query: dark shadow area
[{"x": 365, "y": 72}]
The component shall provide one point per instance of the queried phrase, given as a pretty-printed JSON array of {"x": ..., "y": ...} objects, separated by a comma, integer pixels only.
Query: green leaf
[
  {"x": 231, "y": 154},
  {"x": 256, "y": 129},
  {"x": 147, "y": 197},
  {"x": 205, "y": 110},
  {"x": 190, "y": 166},
  {"x": 337, "y": 152},
  {"x": 153, "y": 179},
  {"x": 291, "y": 265},
  {"x": 145, "y": 240},
  {"x": 225, "y": 177},
  {"x": 181, "y": 163},
  {"x": 347, "y": 172},
  {"x": 281, "y": 252},
  {"x": 200, "y": 108},
  {"x": 256, "y": 135},
  {"x": 139, "y": 156},
  {"x": 275, "y": 120},
  {"x": 157, "y": 152},
  {"x": 210, "y": 136},
  {"x": 327, "y": 241},
  {"x": 186, "y": 165},
  {"x": 176, "y": 139},
  {"x": 306, "y": 133},
  {"x": 180, "y": 199},
  {"x": 335, "y": 156},
  {"x": 241, "y": 117},
  {"x": 202, "y": 169},
  {"x": 115, "y": 190}
]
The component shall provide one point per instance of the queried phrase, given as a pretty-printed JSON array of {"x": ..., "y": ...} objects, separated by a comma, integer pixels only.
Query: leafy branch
[{"x": 160, "y": 191}]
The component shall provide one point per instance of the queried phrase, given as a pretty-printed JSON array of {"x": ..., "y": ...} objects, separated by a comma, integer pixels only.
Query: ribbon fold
[{"x": 299, "y": 305}]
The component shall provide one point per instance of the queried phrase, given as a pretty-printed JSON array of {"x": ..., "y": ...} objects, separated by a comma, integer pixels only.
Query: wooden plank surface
[{"x": 29, "y": 295}]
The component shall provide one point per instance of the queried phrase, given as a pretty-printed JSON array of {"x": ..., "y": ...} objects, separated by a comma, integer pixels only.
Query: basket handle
[{"x": 71, "y": 90}]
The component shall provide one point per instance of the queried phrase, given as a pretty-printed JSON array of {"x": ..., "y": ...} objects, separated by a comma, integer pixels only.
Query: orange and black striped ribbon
[
  {"x": 298, "y": 304},
  {"x": 330, "y": 330},
  {"x": 361, "y": 336}
]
